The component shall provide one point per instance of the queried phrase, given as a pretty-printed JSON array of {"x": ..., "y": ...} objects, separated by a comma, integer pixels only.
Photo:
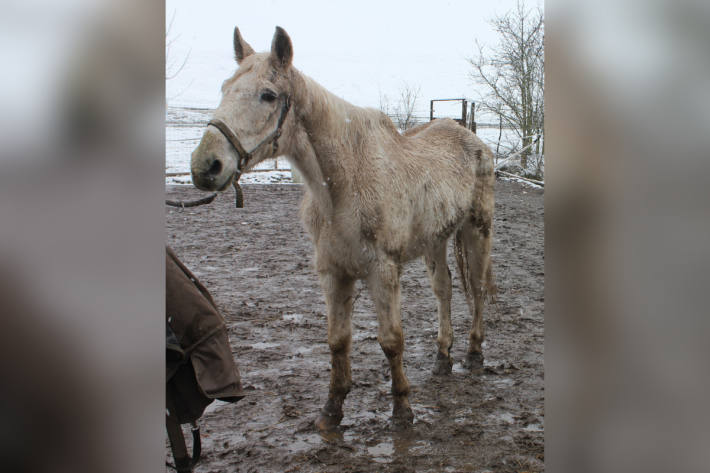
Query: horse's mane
[{"x": 338, "y": 114}]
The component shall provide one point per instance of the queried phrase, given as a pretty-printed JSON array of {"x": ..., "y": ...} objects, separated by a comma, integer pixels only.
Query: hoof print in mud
[
  {"x": 442, "y": 365},
  {"x": 473, "y": 361}
]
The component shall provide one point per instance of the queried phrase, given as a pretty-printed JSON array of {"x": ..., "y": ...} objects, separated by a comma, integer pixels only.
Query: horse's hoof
[
  {"x": 403, "y": 422},
  {"x": 402, "y": 415},
  {"x": 401, "y": 425},
  {"x": 327, "y": 422},
  {"x": 473, "y": 361},
  {"x": 443, "y": 364}
]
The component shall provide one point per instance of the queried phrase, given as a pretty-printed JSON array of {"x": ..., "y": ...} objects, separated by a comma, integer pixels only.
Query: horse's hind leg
[
  {"x": 338, "y": 296},
  {"x": 440, "y": 278},
  {"x": 473, "y": 248},
  {"x": 383, "y": 284}
]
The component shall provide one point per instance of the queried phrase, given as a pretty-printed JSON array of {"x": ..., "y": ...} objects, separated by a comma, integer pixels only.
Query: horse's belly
[{"x": 423, "y": 235}]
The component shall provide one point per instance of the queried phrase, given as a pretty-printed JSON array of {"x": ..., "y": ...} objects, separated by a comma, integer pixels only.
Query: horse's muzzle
[
  {"x": 210, "y": 171},
  {"x": 211, "y": 181}
]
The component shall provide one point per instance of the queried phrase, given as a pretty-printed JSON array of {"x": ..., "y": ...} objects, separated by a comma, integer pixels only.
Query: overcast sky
[{"x": 356, "y": 49}]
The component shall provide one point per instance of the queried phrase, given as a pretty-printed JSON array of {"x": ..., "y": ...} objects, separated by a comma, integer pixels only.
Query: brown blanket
[{"x": 200, "y": 330}]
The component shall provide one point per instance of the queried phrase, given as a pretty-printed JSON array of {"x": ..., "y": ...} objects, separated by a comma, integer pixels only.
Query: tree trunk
[
  {"x": 524, "y": 154},
  {"x": 500, "y": 134}
]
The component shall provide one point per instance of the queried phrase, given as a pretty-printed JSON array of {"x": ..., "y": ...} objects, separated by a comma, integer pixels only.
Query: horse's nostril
[{"x": 216, "y": 168}]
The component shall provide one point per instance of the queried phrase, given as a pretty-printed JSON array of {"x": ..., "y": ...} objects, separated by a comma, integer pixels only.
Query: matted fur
[{"x": 375, "y": 199}]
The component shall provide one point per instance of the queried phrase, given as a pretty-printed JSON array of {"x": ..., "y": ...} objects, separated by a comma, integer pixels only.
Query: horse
[{"x": 375, "y": 199}]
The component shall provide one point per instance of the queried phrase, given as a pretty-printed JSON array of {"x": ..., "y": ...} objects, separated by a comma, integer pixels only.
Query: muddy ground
[{"x": 256, "y": 262}]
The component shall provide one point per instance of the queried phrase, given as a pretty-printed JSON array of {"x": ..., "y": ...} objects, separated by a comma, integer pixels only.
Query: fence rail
[{"x": 186, "y": 173}]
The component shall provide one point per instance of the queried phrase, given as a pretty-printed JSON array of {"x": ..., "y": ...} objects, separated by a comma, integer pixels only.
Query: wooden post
[
  {"x": 464, "y": 104},
  {"x": 431, "y": 110},
  {"x": 472, "y": 126}
]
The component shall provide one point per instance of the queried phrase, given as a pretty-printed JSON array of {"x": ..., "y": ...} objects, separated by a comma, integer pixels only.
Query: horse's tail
[{"x": 473, "y": 261}]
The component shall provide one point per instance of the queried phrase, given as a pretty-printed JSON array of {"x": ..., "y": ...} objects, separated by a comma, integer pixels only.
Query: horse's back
[
  {"x": 446, "y": 130},
  {"x": 446, "y": 145}
]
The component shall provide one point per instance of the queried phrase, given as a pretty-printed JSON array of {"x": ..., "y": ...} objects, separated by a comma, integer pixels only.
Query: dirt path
[{"x": 256, "y": 262}]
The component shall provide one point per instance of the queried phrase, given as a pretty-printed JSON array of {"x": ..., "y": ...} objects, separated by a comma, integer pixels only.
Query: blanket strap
[{"x": 183, "y": 461}]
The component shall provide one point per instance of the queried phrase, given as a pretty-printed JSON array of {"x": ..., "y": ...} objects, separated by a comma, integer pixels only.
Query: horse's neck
[{"x": 320, "y": 154}]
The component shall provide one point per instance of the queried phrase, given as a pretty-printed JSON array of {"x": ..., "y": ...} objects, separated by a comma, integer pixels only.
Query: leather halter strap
[{"x": 272, "y": 138}]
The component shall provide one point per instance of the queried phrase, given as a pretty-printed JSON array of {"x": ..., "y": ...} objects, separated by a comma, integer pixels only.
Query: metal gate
[{"x": 467, "y": 119}]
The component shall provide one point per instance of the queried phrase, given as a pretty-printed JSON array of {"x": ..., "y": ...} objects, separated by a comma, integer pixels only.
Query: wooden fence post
[
  {"x": 464, "y": 108},
  {"x": 473, "y": 117}
]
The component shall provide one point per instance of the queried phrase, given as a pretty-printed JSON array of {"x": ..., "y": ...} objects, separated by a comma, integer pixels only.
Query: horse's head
[{"x": 248, "y": 125}]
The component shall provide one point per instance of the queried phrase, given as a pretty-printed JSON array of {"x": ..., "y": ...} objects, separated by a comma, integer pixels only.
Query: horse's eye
[{"x": 268, "y": 96}]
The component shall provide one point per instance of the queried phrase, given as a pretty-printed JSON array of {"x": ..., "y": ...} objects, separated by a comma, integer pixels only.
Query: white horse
[{"x": 375, "y": 199}]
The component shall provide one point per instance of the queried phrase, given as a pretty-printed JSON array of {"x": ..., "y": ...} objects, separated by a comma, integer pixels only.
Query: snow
[
  {"x": 265, "y": 345},
  {"x": 296, "y": 318},
  {"x": 521, "y": 181},
  {"x": 179, "y": 143}
]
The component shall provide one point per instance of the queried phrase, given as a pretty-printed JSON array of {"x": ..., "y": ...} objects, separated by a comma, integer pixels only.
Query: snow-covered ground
[{"x": 521, "y": 181}]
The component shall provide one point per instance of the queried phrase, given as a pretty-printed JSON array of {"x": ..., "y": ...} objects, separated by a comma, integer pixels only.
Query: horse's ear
[
  {"x": 241, "y": 47},
  {"x": 281, "y": 49}
]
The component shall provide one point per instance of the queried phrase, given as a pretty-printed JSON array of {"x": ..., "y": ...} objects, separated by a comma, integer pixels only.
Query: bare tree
[
  {"x": 402, "y": 112},
  {"x": 385, "y": 104},
  {"x": 513, "y": 75},
  {"x": 172, "y": 67},
  {"x": 404, "y": 109}
]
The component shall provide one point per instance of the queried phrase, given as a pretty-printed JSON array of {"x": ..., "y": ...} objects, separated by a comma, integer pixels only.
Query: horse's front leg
[
  {"x": 338, "y": 297},
  {"x": 383, "y": 284}
]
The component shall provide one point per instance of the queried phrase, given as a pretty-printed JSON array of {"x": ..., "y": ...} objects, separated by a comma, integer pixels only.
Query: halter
[{"x": 245, "y": 156}]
